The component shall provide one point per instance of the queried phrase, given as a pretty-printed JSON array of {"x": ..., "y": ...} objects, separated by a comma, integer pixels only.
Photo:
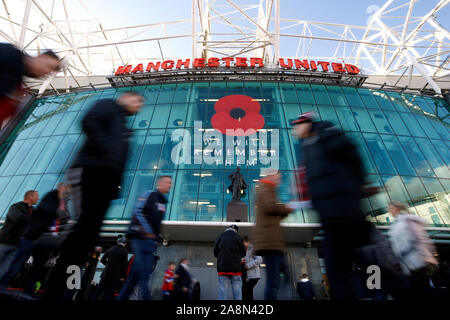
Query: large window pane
[
  {"x": 151, "y": 94},
  {"x": 364, "y": 121},
  {"x": 398, "y": 156},
  {"x": 19, "y": 156},
  {"x": 352, "y": 96},
  {"x": 6, "y": 197},
  {"x": 416, "y": 157},
  {"x": 182, "y": 93},
  {"x": 427, "y": 126},
  {"x": 320, "y": 94},
  {"x": 288, "y": 93},
  {"x": 210, "y": 198},
  {"x": 232, "y": 88},
  {"x": 217, "y": 90},
  {"x": 336, "y": 96},
  {"x": 441, "y": 128},
  {"x": 12, "y": 153},
  {"x": 61, "y": 155},
  {"x": 346, "y": 118},
  {"x": 200, "y": 112},
  {"x": 421, "y": 201},
  {"x": 364, "y": 152},
  {"x": 165, "y": 159},
  {"x": 270, "y": 91},
  {"x": 65, "y": 123},
  {"x": 143, "y": 180},
  {"x": 200, "y": 91},
  {"x": 328, "y": 113},
  {"x": 51, "y": 125},
  {"x": 166, "y": 93},
  {"x": 396, "y": 123},
  {"x": 253, "y": 89},
  {"x": 304, "y": 94},
  {"x": 380, "y": 121},
  {"x": 439, "y": 166},
  {"x": 273, "y": 114},
  {"x": 379, "y": 153},
  {"x": 397, "y": 101},
  {"x": 117, "y": 206},
  {"x": 412, "y": 124},
  {"x": 368, "y": 98},
  {"x": 440, "y": 199},
  {"x": 291, "y": 111},
  {"x": 160, "y": 116},
  {"x": 185, "y": 196},
  {"x": 177, "y": 116},
  {"x": 32, "y": 156},
  {"x": 135, "y": 148},
  {"x": 144, "y": 117},
  {"x": 152, "y": 149},
  {"x": 383, "y": 100}
]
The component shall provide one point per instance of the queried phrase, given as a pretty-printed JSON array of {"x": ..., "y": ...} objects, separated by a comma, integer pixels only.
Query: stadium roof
[{"x": 401, "y": 38}]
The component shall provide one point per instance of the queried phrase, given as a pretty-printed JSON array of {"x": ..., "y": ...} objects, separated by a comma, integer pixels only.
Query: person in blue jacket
[{"x": 144, "y": 233}]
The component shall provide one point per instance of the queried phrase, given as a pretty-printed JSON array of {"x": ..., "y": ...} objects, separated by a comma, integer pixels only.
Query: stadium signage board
[{"x": 238, "y": 62}]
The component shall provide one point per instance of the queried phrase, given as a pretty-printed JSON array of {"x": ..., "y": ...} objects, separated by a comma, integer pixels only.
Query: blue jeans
[
  {"x": 141, "y": 270},
  {"x": 7, "y": 254},
  {"x": 21, "y": 256},
  {"x": 236, "y": 287},
  {"x": 273, "y": 263}
]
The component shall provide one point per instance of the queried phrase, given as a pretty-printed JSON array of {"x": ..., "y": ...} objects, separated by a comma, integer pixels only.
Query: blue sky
[
  {"x": 119, "y": 12},
  {"x": 114, "y": 13}
]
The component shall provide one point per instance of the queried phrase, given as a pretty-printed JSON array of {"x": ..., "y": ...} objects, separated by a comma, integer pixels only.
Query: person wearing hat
[
  {"x": 115, "y": 260},
  {"x": 268, "y": 239},
  {"x": 335, "y": 178},
  {"x": 229, "y": 250}
]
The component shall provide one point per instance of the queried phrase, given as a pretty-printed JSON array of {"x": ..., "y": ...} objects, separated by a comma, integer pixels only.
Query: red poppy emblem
[{"x": 236, "y": 112}]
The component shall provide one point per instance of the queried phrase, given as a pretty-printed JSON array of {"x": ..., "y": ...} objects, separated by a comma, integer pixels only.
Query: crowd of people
[{"x": 333, "y": 184}]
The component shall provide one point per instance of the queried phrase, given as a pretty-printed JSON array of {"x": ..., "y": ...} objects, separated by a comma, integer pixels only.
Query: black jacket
[
  {"x": 115, "y": 260},
  {"x": 184, "y": 279},
  {"x": 106, "y": 144},
  {"x": 305, "y": 290},
  {"x": 148, "y": 213},
  {"x": 12, "y": 68},
  {"x": 16, "y": 222},
  {"x": 43, "y": 216},
  {"x": 229, "y": 249},
  {"x": 333, "y": 168}
]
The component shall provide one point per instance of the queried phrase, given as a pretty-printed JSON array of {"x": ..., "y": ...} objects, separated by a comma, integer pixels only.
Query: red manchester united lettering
[{"x": 238, "y": 62}]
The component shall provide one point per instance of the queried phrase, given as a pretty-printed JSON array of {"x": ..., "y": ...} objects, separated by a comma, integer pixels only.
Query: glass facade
[{"x": 404, "y": 145}]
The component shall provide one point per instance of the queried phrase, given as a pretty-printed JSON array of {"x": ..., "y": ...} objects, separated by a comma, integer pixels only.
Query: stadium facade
[
  {"x": 404, "y": 140},
  {"x": 396, "y": 111}
]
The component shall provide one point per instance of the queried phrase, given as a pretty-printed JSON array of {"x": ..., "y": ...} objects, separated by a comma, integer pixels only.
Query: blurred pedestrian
[
  {"x": 15, "y": 64},
  {"x": 229, "y": 250},
  {"x": 267, "y": 236},
  {"x": 183, "y": 282},
  {"x": 113, "y": 276},
  {"x": 414, "y": 248},
  {"x": 144, "y": 233},
  {"x": 335, "y": 179},
  {"x": 252, "y": 273},
  {"x": 324, "y": 292},
  {"x": 40, "y": 222},
  {"x": 168, "y": 282},
  {"x": 305, "y": 289},
  {"x": 88, "y": 273},
  {"x": 95, "y": 176},
  {"x": 17, "y": 218},
  {"x": 48, "y": 230}
]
